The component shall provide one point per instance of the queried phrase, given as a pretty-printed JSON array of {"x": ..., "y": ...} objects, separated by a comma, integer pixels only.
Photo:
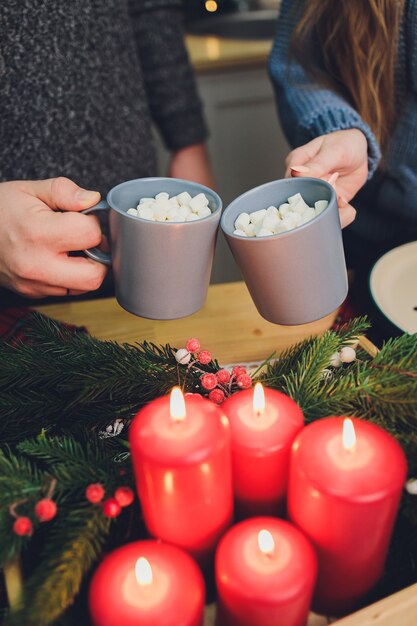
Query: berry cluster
[
  {"x": 220, "y": 384},
  {"x": 45, "y": 510},
  {"x": 112, "y": 507}
]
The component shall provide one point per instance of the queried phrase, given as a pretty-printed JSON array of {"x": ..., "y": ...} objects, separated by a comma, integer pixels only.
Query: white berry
[
  {"x": 411, "y": 486},
  {"x": 347, "y": 355},
  {"x": 182, "y": 356},
  {"x": 335, "y": 360}
]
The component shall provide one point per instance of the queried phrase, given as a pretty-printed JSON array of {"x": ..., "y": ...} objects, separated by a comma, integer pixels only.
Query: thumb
[{"x": 63, "y": 193}]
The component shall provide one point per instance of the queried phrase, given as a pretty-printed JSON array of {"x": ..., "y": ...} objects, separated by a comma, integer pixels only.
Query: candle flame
[
  {"x": 143, "y": 572},
  {"x": 177, "y": 405},
  {"x": 258, "y": 399},
  {"x": 349, "y": 435},
  {"x": 266, "y": 542}
]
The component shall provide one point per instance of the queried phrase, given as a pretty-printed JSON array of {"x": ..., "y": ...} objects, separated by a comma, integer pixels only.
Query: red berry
[
  {"x": 223, "y": 376},
  {"x": 216, "y": 396},
  {"x": 193, "y": 345},
  {"x": 238, "y": 370},
  {"x": 244, "y": 381},
  {"x": 124, "y": 496},
  {"x": 94, "y": 493},
  {"x": 111, "y": 508},
  {"x": 204, "y": 357},
  {"x": 209, "y": 381},
  {"x": 22, "y": 526},
  {"x": 45, "y": 510}
]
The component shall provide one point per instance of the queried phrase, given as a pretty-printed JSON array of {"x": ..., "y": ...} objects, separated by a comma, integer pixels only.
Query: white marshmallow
[
  {"x": 299, "y": 207},
  {"x": 162, "y": 196},
  {"x": 308, "y": 215},
  {"x": 146, "y": 200},
  {"x": 146, "y": 214},
  {"x": 198, "y": 202},
  {"x": 284, "y": 209},
  {"x": 132, "y": 212},
  {"x": 204, "y": 212},
  {"x": 295, "y": 198},
  {"x": 239, "y": 232},
  {"x": 292, "y": 220},
  {"x": 272, "y": 211},
  {"x": 184, "y": 198},
  {"x": 160, "y": 213},
  {"x": 271, "y": 223},
  {"x": 257, "y": 216},
  {"x": 242, "y": 221},
  {"x": 320, "y": 205},
  {"x": 191, "y": 217},
  {"x": 264, "y": 232},
  {"x": 250, "y": 230}
]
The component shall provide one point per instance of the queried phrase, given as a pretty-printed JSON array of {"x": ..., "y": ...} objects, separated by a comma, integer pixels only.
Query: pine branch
[
  {"x": 58, "y": 380},
  {"x": 74, "y": 544}
]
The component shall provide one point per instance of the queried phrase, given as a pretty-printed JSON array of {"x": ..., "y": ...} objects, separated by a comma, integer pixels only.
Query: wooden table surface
[
  {"x": 231, "y": 328},
  {"x": 228, "y": 325}
]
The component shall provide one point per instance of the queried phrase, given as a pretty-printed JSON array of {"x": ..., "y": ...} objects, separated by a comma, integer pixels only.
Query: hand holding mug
[{"x": 35, "y": 238}]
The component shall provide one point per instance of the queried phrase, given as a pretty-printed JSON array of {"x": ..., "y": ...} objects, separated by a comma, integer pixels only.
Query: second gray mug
[
  {"x": 161, "y": 269},
  {"x": 297, "y": 276}
]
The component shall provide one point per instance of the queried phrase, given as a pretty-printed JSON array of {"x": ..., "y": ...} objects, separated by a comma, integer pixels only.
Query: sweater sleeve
[
  {"x": 306, "y": 109},
  {"x": 169, "y": 79}
]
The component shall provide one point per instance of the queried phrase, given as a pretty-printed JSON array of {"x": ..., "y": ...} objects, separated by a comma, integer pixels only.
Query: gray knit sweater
[
  {"x": 387, "y": 205},
  {"x": 80, "y": 81}
]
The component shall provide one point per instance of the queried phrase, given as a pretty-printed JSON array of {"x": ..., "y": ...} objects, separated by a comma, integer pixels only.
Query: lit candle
[
  {"x": 264, "y": 423},
  {"x": 345, "y": 483},
  {"x": 143, "y": 583},
  {"x": 181, "y": 456},
  {"x": 265, "y": 574}
]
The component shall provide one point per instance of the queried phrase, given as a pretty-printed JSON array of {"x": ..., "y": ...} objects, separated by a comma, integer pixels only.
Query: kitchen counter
[{"x": 210, "y": 54}]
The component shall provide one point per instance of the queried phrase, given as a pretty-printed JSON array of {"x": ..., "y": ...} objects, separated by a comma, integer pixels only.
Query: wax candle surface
[
  {"x": 183, "y": 473},
  {"x": 261, "y": 445},
  {"x": 170, "y": 592},
  {"x": 345, "y": 498},
  {"x": 262, "y": 588}
]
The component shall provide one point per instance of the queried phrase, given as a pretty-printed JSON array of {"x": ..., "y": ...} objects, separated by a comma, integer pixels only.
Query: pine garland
[{"x": 59, "y": 390}]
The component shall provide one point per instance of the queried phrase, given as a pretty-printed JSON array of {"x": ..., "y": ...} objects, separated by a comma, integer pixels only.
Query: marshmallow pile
[
  {"x": 180, "y": 208},
  {"x": 273, "y": 220}
]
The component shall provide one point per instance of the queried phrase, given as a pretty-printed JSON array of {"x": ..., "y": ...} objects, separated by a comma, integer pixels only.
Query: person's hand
[
  {"x": 192, "y": 163},
  {"x": 344, "y": 152},
  {"x": 35, "y": 238}
]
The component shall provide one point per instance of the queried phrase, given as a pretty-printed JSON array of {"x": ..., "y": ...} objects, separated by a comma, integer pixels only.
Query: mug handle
[{"x": 95, "y": 253}]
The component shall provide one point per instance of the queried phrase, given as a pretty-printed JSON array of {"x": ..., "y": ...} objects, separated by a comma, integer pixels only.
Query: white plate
[{"x": 393, "y": 285}]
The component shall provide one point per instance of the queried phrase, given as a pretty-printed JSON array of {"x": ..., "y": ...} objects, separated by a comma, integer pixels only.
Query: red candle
[
  {"x": 346, "y": 478},
  {"x": 181, "y": 456},
  {"x": 264, "y": 423},
  {"x": 143, "y": 583},
  {"x": 265, "y": 574}
]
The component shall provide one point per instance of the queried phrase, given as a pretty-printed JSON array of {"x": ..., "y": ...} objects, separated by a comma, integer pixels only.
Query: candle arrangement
[{"x": 70, "y": 491}]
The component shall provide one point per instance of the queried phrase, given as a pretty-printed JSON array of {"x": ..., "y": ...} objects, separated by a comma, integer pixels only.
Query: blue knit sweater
[{"x": 387, "y": 205}]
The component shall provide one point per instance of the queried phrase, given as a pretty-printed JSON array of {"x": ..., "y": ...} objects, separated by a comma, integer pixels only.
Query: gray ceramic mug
[
  {"x": 298, "y": 276},
  {"x": 161, "y": 269}
]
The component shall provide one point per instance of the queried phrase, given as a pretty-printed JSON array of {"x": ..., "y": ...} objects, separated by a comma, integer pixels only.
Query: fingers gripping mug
[{"x": 161, "y": 269}]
